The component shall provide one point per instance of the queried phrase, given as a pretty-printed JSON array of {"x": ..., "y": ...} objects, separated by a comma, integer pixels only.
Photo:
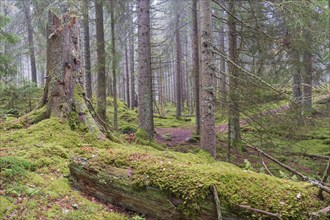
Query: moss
[
  {"x": 190, "y": 176},
  {"x": 142, "y": 134}
]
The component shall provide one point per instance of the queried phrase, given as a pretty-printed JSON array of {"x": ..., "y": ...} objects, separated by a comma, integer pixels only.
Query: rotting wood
[
  {"x": 320, "y": 213},
  {"x": 217, "y": 201},
  {"x": 324, "y": 179},
  {"x": 115, "y": 186},
  {"x": 303, "y": 177}
]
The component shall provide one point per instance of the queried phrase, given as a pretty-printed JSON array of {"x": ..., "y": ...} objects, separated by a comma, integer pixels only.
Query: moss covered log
[{"x": 169, "y": 185}]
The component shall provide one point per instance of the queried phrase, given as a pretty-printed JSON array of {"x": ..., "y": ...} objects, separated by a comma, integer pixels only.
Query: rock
[
  {"x": 167, "y": 137},
  {"x": 191, "y": 140}
]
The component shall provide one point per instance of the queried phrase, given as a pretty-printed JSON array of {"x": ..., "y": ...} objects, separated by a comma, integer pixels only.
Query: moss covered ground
[{"x": 34, "y": 176}]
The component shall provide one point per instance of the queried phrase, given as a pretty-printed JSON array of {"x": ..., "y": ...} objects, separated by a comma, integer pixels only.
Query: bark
[
  {"x": 234, "y": 136},
  {"x": 27, "y": 12},
  {"x": 88, "y": 74},
  {"x": 127, "y": 77},
  {"x": 114, "y": 66},
  {"x": 208, "y": 136},
  {"x": 149, "y": 201},
  {"x": 223, "y": 85},
  {"x": 145, "y": 102},
  {"x": 100, "y": 50},
  {"x": 132, "y": 79},
  {"x": 308, "y": 74},
  {"x": 297, "y": 87},
  {"x": 195, "y": 62},
  {"x": 178, "y": 63}
]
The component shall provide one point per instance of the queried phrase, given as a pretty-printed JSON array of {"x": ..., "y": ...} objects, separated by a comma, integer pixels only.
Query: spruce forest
[{"x": 165, "y": 109}]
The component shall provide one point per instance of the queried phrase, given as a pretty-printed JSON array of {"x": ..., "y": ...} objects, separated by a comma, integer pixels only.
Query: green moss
[
  {"x": 189, "y": 177},
  {"x": 142, "y": 134}
]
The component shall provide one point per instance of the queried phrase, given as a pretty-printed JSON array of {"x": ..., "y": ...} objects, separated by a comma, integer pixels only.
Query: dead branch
[
  {"x": 319, "y": 213},
  {"x": 264, "y": 164},
  {"x": 324, "y": 178},
  {"x": 217, "y": 201},
  {"x": 303, "y": 177},
  {"x": 275, "y": 215}
]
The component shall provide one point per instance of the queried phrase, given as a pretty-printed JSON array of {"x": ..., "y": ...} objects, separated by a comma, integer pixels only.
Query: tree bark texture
[
  {"x": 115, "y": 186},
  {"x": 114, "y": 66},
  {"x": 195, "y": 62},
  {"x": 208, "y": 136},
  {"x": 100, "y": 51},
  {"x": 64, "y": 88},
  {"x": 27, "y": 12},
  {"x": 178, "y": 63},
  {"x": 234, "y": 135},
  {"x": 145, "y": 103},
  {"x": 88, "y": 73},
  {"x": 132, "y": 65},
  {"x": 128, "y": 100},
  {"x": 308, "y": 74}
]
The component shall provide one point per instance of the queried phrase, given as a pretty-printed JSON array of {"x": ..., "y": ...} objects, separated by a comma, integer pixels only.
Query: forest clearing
[{"x": 164, "y": 109}]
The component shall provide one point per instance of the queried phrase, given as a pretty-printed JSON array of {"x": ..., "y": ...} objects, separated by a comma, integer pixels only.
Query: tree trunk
[
  {"x": 223, "y": 86},
  {"x": 308, "y": 75},
  {"x": 127, "y": 77},
  {"x": 150, "y": 201},
  {"x": 178, "y": 63},
  {"x": 114, "y": 66},
  {"x": 195, "y": 62},
  {"x": 208, "y": 137},
  {"x": 27, "y": 12},
  {"x": 145, "y": 103},
  {"x": 100, "y": 50},
  {"x": 234, "y": 136},
  {"x": 88, "y": 73},
  {"x": 131, "y": 43}
]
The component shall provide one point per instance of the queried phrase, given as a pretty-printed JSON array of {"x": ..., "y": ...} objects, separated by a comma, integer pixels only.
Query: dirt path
[{"x": 182, "y": 135}]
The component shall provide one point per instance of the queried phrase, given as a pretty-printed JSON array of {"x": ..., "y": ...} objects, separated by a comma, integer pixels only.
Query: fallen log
[
  {"x": 115, "y": 187},
  {"x": 168, "y": 185}
]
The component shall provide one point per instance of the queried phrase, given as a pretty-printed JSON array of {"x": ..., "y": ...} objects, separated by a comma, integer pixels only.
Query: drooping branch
[{"x": 303, "y": 177}]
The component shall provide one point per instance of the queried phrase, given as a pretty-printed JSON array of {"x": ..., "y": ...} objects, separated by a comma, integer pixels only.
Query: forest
[{"x": 165, "y": 109}]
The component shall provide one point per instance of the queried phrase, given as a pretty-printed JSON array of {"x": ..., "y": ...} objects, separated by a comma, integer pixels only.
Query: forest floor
[{"x": 34, "y": 174}]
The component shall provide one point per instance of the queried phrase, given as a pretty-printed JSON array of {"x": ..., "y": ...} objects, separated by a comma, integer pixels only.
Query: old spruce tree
[{"x": 64, "y": 96}]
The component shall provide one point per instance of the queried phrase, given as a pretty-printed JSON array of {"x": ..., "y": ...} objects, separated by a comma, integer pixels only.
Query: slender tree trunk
[
  {"x": 234, "y": 136},
  {"x": 145, "y": 103},
  {"x": 27, "y": 11},
  {"x": 114, "y": 66},
  {"x": 308, "y": 75},
  {"x": 88, "y": 73},
  {"x": 100, "y": 50},
  {"x": 131, "y": 43},
  {"x": 195, "y": 62},
  {"x": 127, "y": 77},
  {"x": 223, "y": 86},
  {"x": 178, "y": 64},
  {"x": 208, "y": 137}
]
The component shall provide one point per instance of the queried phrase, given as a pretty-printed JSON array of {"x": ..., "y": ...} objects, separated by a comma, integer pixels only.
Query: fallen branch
[
  {"x": 303, "y": 177},
  {"x": 217, "y": 201},
  {"x": 319, "y": 213},
  {"x": 312, "y": 156},
  {"x": 324, "y": 178},
  {"x": 275, "y": 215},
  {"x": 263, "y": 163}
]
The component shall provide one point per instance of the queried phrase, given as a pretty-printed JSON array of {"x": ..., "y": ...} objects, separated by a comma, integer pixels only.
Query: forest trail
[
  {"x": 183, "y": 135},
  {"x": 176, "y": 136}
]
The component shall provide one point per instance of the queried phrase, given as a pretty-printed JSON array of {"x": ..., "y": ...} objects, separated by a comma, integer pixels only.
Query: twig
[
  {"x": 303, "y": 177},
  {"x": 319, "y": 213},
  {"x": 263, "y": 163},
  {"x": 324, "y": 178},
  {"x": 312, "y": 156},
  {"x": 217, "y": 201},
  {"x": 275, "y": 215}
]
